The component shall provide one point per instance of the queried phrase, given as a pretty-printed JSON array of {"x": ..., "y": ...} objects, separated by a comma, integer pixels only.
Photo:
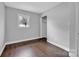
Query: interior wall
[
  {"x": 58, "y": 24},
  {"x": 14, "y": 32},
  {"x": 76, "y": 31},
  {"x": 72, "y": 32},
  {"x": 2, "y": 25}
]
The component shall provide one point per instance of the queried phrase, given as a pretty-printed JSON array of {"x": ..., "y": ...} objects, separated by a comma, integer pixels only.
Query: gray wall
[
  {"x": 75, "y": 50},
  {"x": 58, "y": 24},
  {"x": 72, "y": 41},
  {"x": 74, "y": 32},
  {"x": 15, "y": 33},
  {"x": 2, "y": 22}
]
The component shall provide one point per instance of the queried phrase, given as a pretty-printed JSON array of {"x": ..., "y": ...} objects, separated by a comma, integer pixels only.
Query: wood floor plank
[{"x": 35, "y": 49}]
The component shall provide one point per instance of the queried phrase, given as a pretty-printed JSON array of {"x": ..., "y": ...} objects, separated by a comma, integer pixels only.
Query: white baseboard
[
  {"x": 21, "y": 40},
  {"x": 34, "y": 39},
  {"x": 16, "y": 42},
  {"x": 67, "y": 49},
  {"x": 73, "y": 53},
  {"x": 2, "y": 49}
]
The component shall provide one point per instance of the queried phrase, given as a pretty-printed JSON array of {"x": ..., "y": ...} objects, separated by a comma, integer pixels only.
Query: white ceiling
[{"x": 37, "y": 7}]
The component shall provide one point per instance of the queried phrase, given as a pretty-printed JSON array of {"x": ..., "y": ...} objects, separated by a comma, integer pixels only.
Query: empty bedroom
[{"x": 39, "y": 29}]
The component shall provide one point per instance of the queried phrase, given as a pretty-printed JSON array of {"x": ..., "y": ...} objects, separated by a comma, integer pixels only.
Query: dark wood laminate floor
[{"x": 34, "y": 49}]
